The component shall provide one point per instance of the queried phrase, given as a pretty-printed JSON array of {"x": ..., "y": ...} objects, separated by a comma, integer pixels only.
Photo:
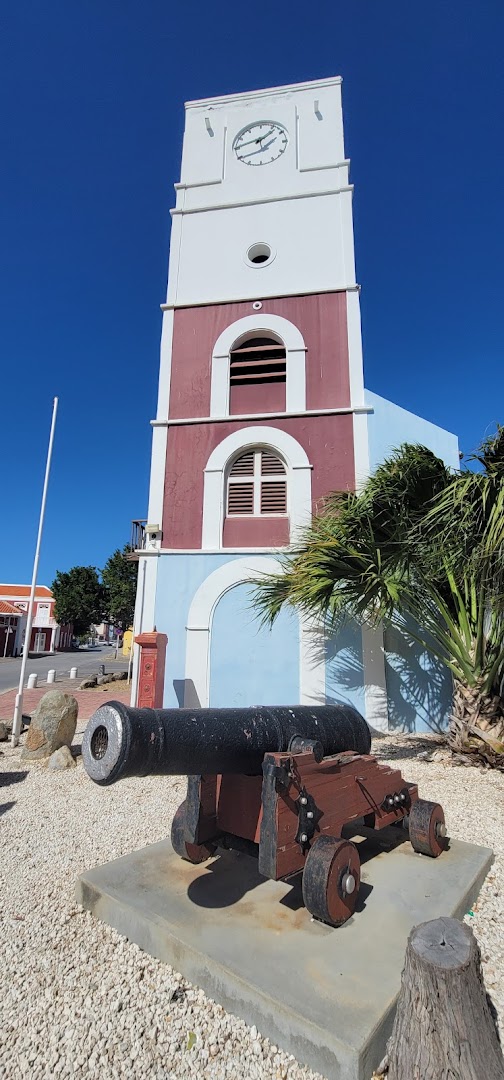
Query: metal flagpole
[
  {"x": 18, "y": 708},
  {"x": 7, "y": 632}
]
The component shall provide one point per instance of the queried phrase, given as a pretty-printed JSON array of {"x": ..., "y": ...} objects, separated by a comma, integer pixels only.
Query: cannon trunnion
[{"x": 279, "y": 783}]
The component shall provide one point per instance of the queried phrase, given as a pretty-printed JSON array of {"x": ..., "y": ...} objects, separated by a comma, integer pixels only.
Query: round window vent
[{"x": 259, "y": 254}]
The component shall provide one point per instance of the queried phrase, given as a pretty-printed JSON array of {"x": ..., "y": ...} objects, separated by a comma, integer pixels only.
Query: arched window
[
  {"x": 256, "y": 501},
  {"x": 297, "y": 467},
  {"x": 257, "y": 484},
  {"x": 279, "y": 393},
  {"x": 257, "y": 375}
]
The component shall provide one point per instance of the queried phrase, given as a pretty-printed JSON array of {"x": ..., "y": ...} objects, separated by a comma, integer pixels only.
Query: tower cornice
[
  {"x": 289, "y": 88},
  {"x": 354, "y": 287}
]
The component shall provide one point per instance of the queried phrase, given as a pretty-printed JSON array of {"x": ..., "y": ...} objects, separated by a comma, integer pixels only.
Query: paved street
[{"x": 86, "y": 662}]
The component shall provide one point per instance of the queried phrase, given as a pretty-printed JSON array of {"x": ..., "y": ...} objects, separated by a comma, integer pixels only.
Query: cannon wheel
[
  {"x": 331, "y": 879},
  {"x": 427, "y": 830},
  {"x": 193, "y": 853}
]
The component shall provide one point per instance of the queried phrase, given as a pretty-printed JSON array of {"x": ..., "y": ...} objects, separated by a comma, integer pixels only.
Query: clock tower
[{"x": 262, "y": 410}]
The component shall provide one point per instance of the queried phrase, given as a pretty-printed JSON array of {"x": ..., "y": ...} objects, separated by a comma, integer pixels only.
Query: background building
[
  {"x": 262, "y": 411},
  {"x": 12, "y": 622},
  {"x": 46, "y": 635}
]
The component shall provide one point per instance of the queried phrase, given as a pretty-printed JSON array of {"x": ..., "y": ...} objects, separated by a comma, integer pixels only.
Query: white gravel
[{"x": 77, "y": 1000}]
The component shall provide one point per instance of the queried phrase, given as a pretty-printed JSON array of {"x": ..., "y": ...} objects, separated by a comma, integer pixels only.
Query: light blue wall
[
  {"x": 389, "y": 426},
  {"x": 264, "y": 662},
  {"x": 344, "y": 669},
  {"x": 419, "y": 688},
  {"x": 179, "y": 576},
  {"x": 250, "y": 664}
]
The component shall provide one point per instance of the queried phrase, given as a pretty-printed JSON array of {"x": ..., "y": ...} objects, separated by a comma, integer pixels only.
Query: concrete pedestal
[{"x": 327, "y": 996}]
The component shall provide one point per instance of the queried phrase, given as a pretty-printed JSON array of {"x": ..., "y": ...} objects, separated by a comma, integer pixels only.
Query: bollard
[
  {"x": 101, "y": 669},
  {"x": 73, "y": 672},
  {"x": 32, "y": 682},
  {"x": 51, "y": 674}
]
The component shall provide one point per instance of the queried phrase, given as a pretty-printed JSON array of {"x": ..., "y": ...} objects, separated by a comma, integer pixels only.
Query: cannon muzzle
[{"x": 120, "y": 741}]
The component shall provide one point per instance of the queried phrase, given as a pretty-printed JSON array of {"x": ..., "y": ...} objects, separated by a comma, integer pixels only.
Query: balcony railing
[{"x": 138, "y": 535}]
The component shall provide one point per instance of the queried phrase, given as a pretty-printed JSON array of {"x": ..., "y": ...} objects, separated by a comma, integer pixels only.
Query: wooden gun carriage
[{"x": 281, "y": 784}]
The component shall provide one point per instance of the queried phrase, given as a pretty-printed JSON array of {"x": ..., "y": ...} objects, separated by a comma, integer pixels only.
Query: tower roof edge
[{"x": 315, "y": 84}]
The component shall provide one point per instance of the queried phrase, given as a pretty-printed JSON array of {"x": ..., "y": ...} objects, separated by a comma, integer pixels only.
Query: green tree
[
  {"x": 420, "y": 548},
  {"x": 79, "y": 598},
  {"x": 120, "y": 580}
]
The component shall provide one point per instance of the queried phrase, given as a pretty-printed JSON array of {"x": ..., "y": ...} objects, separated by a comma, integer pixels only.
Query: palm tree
[{"x": 420, "y": 548}]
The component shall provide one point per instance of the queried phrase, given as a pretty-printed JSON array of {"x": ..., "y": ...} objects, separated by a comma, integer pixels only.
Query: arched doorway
[{"x": 252, "y": 664}]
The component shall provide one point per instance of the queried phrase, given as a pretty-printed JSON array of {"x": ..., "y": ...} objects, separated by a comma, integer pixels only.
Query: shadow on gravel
[
  {"x": 8, "y": 778},
  {"x": 408, "y": 750},
  {"x": 4, "y": 807}
]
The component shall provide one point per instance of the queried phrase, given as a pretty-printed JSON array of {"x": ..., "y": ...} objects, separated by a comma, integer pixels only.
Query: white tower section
[{"x": 263, "y": 168}]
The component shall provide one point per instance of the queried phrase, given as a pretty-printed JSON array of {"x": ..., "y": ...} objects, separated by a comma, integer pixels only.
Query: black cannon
[
  {"x": 120, "y": 741},
  {"x": 279, "y": 783}
]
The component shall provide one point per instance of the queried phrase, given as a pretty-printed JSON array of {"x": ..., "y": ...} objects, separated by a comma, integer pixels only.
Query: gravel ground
[{"x": 77, "y": 1000}]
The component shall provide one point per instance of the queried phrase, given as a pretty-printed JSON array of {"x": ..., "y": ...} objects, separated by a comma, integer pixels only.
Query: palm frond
[{"x": 418, "y": 541}]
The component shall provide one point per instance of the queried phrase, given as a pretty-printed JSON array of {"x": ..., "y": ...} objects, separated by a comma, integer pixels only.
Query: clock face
[{"x": 260, "y": 143}]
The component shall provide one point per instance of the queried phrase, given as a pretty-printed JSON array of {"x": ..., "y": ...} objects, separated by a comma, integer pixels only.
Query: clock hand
[
  {"x": 259, "y": 139},
  {"x": 251, "y": 153},
  {"x": 266, "y": 136}
]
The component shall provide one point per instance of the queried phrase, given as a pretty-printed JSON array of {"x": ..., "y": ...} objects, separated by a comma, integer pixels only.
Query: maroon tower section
[{"x": 326, "y": 439}]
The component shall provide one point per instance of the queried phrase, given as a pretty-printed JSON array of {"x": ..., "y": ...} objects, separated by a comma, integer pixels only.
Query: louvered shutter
[
  {"x": 274, "y": 497},
  {"x": 257, "y": 360},
  {"x": 244, "y": 465},
  {"x": 241, "y": 498},
  {"x": 273, "y": 490},
  {"x": 270, "y": 464}
]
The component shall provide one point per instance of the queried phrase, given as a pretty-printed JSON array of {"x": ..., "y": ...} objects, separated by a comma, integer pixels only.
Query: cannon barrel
[{"x": 120, "y": 741}]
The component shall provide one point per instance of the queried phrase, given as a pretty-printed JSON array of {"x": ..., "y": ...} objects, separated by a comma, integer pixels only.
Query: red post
[{"x": 151, "y": 670}]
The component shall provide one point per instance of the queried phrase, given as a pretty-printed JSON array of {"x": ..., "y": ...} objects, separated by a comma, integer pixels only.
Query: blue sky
[{"x": 93, "y": 96}]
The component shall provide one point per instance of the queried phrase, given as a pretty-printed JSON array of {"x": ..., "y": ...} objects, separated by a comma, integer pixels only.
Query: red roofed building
[
  {"x": 10, "y": 625},
  {"x": 46, "y": 636}
]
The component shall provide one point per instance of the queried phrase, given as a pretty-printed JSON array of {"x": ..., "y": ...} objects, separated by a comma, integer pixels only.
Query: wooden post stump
[{"x": 444, "y": 1029}]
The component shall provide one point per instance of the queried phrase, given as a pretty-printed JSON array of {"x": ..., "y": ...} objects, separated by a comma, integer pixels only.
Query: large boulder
[{"x": 53, "y": 725}]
